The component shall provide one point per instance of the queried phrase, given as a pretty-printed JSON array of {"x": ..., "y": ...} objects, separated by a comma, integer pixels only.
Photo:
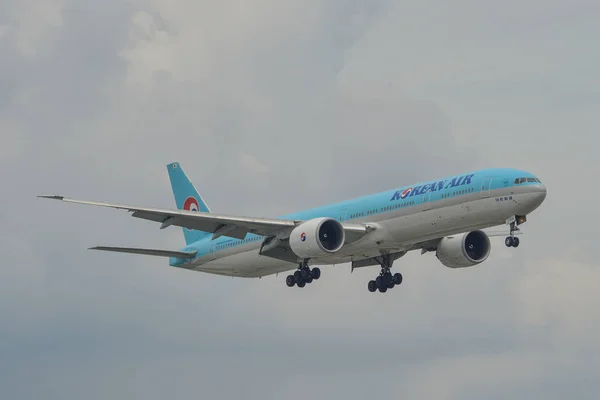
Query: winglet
[{"x": 54, "y": 197}]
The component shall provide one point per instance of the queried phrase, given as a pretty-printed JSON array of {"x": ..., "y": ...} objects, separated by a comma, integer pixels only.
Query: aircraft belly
[
  {"x": 438, "y": 222},
  {"x": 247, "y": 264}
]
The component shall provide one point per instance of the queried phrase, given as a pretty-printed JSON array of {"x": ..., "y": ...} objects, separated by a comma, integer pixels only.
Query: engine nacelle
[
  {"x": 465, "y": 250},
  {"x": 317, "y": 237}
]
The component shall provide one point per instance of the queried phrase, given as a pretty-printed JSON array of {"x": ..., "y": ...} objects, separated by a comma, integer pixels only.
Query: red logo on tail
[{"x": 191, "y": 204}]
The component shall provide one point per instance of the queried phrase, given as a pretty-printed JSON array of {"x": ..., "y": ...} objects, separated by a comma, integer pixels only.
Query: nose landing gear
[{"x": 512, "y": 240}]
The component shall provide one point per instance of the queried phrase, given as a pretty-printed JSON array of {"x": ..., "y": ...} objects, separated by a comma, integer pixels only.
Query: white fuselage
[{"x": 398, "y": 229}]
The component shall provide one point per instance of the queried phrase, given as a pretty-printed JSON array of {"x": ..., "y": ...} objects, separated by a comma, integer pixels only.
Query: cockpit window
[
  {"x": 523, "y": 180},
  {"x": 520, "y": 180}
]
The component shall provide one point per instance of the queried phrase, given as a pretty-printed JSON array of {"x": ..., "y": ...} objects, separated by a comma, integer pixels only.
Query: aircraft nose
[{"x": 541, "y": 192}]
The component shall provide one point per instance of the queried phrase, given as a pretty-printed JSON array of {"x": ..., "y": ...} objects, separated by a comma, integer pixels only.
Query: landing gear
[
  {"x": 303, "y": 275},
  {"x": 512, "y": 240},
  {"x": 385, "y": 280}
]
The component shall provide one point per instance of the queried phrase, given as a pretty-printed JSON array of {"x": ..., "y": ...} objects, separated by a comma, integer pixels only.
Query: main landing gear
[
  {"x": 512, "y": 240},
  {"x": 303, "y": 275},
  {"x": 385, "y": 280}
]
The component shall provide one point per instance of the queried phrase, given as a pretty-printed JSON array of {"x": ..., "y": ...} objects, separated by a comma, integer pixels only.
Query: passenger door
[
  {"x": 485, "y": 187},
  {"x": 213, "y": 250},
  {"x": 343, "y": 214},
  {"x": 427, "y": 200}
]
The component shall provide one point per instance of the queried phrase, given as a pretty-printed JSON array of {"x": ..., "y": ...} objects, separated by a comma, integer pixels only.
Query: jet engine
[
  {"x": 317, "y": 237},
  {"x": 465, "y": 250}
]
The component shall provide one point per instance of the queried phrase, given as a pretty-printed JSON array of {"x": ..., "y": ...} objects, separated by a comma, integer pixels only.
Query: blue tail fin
[{"x": 186, "y": 198}]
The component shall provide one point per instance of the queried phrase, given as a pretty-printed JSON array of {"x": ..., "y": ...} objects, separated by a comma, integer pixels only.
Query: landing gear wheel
[
  {"x": 389, "y": 280},
  {"x": 372, "y": 286},
  {"x": 305, "y": 272},
  {"x": 309, "y": 280},
  {"x": 301, "y": 283},
  {"x": 383, "y": 289},
  {"x": 290, "y": 280},
  {"x": 315, "y": 273},
  {"x": 516, "y": 242},
  {"x": 297, "y": 276},
  {"x": 397, "y": 278},
  {"x": 509, "y": 241}
]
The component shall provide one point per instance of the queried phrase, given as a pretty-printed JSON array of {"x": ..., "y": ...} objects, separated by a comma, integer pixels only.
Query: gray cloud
[{"x": 273, "y": 108}]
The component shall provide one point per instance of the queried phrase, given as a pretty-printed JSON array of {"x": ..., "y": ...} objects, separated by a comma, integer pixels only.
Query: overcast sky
[{"x": 276, "y": 106}]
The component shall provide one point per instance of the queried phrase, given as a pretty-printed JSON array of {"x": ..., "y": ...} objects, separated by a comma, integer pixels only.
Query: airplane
[{"x": 447, "y": 216}]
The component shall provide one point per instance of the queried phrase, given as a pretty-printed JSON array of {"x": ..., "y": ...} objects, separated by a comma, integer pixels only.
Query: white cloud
[
  {"x": 36, "y": 20},
  {"x": 560, "y": 296},
  {"x": 14, "y": 141},
  {"x": 455, "y": 378},
  {"x": 555, "y": 325}
]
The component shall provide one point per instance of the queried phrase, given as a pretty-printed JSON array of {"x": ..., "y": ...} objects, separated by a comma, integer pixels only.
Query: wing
[{"x": 217, "y": 224}]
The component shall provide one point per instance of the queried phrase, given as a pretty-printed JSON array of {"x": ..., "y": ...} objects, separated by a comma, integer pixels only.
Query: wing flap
[{"x": 148, "y": 252}]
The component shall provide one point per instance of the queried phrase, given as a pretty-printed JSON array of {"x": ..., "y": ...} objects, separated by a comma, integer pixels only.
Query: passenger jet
[{"x": 446, "y": 216}]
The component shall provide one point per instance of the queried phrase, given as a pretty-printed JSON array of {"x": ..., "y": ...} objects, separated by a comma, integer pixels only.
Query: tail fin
[{"x": 187, "y": 198}]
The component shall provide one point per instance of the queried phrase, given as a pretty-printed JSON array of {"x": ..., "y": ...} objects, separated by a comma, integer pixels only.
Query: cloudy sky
[{"x": 272, "y": 107}]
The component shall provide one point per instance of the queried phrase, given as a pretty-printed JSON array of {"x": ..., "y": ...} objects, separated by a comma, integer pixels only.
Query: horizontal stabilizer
[{"x": 148, "y": 252}]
